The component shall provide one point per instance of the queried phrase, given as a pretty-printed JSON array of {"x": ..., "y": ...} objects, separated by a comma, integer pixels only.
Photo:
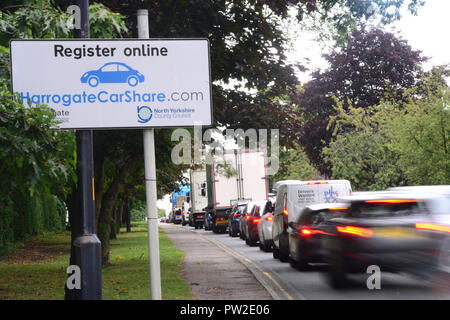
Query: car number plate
[{"x": 396, "y": 232}]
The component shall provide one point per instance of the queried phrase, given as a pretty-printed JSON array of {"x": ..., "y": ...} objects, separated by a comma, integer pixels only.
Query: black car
[
  {"x": 234, "y": 216},
  {"x": 197, "y": 218},
  {"x": 305, "y": 234},
  {"x": 396, "y": 231}
]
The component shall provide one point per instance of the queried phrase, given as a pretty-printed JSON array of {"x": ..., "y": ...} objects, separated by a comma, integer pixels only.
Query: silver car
[{"x": 265, "y": 226}]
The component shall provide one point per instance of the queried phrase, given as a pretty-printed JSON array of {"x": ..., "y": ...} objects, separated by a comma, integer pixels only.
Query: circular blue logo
[{"x": 144, "y": 114}]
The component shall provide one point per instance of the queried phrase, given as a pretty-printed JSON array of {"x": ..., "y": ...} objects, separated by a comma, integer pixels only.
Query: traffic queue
[{"x": 324, "y": 223}]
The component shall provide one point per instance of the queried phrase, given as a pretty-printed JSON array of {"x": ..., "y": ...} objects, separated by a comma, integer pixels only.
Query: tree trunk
[
  {"x": 107, "y": 207},
  {"x": 99, "y": 181}
]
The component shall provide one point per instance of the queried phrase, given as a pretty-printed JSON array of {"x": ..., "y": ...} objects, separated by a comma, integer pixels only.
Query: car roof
[
  {"x": 277, "y": 185},
  {"x": 389, "y": 194},
  {"x": 323, "y": 206},
  {"x": 440, "y": 189}
]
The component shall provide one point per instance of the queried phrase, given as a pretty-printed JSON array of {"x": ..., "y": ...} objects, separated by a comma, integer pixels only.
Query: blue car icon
[{"x": 113, "y": 72}]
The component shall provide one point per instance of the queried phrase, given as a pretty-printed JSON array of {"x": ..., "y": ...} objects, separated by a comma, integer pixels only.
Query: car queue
[{"x": 305, "y": 223}]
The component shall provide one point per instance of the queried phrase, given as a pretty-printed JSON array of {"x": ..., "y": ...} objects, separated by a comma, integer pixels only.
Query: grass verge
[{"x": 38, "y": 271}]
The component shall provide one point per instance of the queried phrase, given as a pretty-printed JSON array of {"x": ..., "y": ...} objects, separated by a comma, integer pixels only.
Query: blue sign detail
[
  {"x": 144, "y": 114},
  {"x": 331, "y": 196},
  {"x": 113, "y": 72}
]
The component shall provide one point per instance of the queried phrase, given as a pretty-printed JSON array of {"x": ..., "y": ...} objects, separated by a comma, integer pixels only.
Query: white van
[{"x": 292, "y": 197}]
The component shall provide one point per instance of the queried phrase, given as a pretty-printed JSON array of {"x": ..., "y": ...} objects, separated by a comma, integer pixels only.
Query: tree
[
  {"x": 36, "y": 165},
  {"x": 358, "y": 74},
  {"x": 295, "y": 165},
  {"x": 423, "y": 132},
  {"x": 395, "y": 143},
  {"x": 248, "y": 48}
]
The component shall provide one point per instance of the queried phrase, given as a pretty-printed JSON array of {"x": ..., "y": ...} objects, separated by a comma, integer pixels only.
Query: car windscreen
[
  {"x": 241, "y": 209},
  {"x": 379, "y": 210}
]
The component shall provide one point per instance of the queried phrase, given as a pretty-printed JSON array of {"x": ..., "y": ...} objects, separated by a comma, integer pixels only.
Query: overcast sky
[{"x": 428, "y": 32}]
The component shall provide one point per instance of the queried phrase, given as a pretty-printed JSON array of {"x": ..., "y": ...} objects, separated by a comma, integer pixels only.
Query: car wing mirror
[{"x": 291, "y": 224}]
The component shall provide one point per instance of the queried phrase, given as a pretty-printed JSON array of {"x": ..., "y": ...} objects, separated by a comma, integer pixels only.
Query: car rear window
[
  {"x": 316, "y": 217},
  {"x": 386, "y": 210},
  {"x": 241, "y": 209}
]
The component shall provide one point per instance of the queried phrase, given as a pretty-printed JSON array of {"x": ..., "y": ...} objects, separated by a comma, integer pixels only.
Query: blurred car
[
  {"x": 252, "y": 220},
  {"x": 305, "y": 234},
  {"x": 196, "y": 219},
  {"x": 398, "y": 231},
  {"x": 233, "y": 219},
  {"x": 171, "y": 216},
  {"x": 185, "y": 212},
  {"x": 177, "y": 216},
  {"x": 265, "y": 227}
]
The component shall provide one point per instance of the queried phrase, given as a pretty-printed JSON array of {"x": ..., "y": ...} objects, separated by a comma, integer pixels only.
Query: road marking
[{"x": 241, "y": 257}]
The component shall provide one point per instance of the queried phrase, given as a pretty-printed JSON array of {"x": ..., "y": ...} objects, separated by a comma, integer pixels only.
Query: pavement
[{"x": 211, "y": 272}]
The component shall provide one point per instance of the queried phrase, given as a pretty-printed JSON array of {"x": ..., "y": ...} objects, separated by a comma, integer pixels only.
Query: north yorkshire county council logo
[{"x": 144, "y": 114}]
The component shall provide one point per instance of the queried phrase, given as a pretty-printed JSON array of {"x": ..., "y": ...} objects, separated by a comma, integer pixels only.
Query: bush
[{"x": 37, "y": 163}]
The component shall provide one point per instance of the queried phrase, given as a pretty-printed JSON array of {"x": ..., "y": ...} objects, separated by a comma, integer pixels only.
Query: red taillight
[
  {"x": 256, "y": 220},
  {"x": 357, "y": 231},
  {"x": 306, "y": 232},
  {"x": 236, "y": 215},
  {"x": 395, "y": 201},
  {"x": 317, "y": 182},
  {"x": 247, "y": 217},
  {"x": 220, "y": 219},
  {"x": 432, "y": 227},
  {"x": 285, "y": 212},
  {"x": 269, "y": 217}
]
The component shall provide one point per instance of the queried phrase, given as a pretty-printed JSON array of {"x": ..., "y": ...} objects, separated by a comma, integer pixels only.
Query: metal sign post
[
  {"x": 86, "y": 247},
  {"x": 150, "y": 186}
]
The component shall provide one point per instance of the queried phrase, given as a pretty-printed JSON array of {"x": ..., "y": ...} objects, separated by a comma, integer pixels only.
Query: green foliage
[
  {"x": 104, "y": 23},
  {"x": 41, "y": 20},
  {"x": 423, "y": 133},
  {"x": 137, "y": 210},
  {"x": 394, "y": 143},
  {"x": 36, "y": 164},
  {"x": 295, "y": 165}
]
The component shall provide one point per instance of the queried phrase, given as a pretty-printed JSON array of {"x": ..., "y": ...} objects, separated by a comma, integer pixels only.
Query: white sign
[{"x": 126, "y": 83}]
